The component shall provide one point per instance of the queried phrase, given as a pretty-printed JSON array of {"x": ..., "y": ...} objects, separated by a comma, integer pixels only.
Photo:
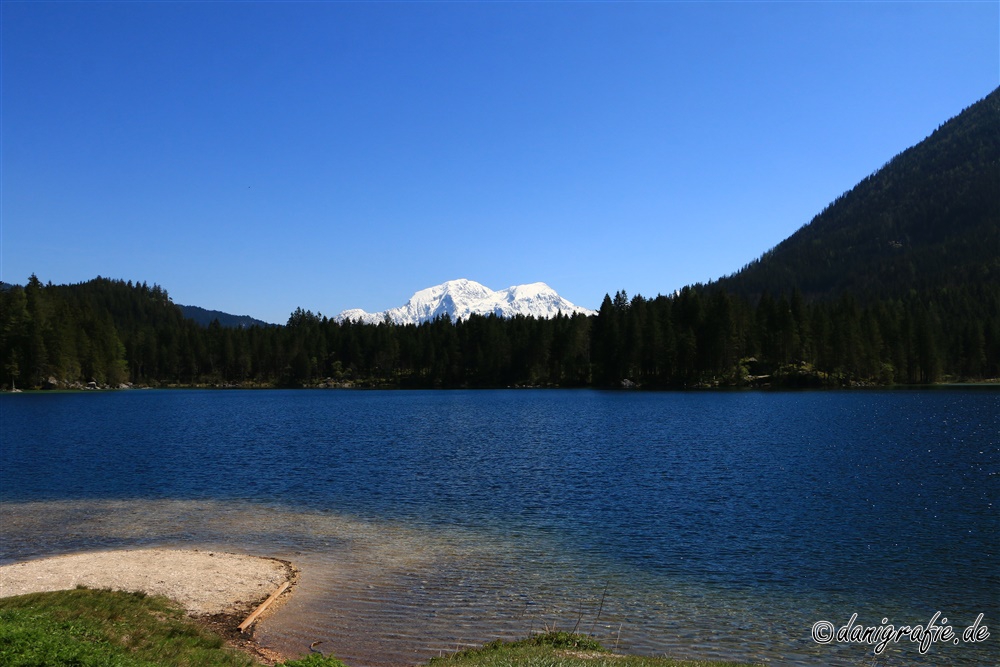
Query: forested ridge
[
  {"x": 897, "y": 281},
  {"x": 206, "y": 317},
  {"x": 929, "y": 218}
]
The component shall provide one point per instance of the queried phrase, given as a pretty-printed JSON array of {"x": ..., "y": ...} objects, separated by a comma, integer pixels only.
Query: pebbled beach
[{"x": 205, "y": 583}]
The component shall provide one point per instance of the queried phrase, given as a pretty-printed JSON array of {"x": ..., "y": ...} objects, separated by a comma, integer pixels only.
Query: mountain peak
[{"x": 461, "y": 298}]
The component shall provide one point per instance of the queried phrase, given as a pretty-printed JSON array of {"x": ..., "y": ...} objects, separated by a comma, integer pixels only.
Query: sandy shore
[
  {"x": 204, "y": 582},
  {"x": 219, "y": 588}
]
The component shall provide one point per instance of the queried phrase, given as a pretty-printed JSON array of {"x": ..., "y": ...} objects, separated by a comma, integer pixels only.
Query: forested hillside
[
  {"x": 205, "y": 317},
  {"x": 928, "y": 219},
  {"x": 898, "y": 281}
]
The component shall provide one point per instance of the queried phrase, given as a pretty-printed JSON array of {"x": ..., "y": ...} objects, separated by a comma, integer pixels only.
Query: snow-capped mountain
[{"x": 461, "y": 298}]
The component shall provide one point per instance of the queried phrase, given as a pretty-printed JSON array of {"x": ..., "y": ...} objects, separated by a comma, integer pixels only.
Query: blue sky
[{"x": 254, "y": 157}]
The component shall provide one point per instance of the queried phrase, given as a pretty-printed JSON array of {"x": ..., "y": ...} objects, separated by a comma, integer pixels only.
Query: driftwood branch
[{"x": 263, "y": 605}]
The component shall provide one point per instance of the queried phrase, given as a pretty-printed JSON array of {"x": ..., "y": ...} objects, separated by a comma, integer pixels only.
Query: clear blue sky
[{"x": 253, "y": 157}]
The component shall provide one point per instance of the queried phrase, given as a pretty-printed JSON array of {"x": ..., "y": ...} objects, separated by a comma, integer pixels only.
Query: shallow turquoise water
[{"x": 694, "y": 524}]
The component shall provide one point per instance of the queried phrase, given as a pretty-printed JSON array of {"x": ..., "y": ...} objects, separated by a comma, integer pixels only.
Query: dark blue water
[{"x": 721, "y": 524}]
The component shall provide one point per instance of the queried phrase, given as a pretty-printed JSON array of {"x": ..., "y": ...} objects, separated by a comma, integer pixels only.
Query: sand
[
  {"x": 205, "y": 583},
  {"x": 219, "y": 589}
]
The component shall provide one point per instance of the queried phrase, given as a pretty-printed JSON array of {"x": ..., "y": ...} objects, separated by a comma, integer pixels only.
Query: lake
[{"x": 693, "y": 524}]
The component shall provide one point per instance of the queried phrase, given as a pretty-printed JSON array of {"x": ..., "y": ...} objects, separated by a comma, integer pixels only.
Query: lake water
[{"x": 700, "y": 524}]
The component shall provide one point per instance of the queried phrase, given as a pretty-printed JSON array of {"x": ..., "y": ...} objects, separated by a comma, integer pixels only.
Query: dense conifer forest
[
  {"x": 898, "y": 281},
  {"x": 113, "y": 333}
]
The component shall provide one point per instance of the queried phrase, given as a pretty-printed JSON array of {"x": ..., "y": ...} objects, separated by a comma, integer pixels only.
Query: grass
[
  {"x": 559, "y": 649},
  {"x": 91, "y": 628}
]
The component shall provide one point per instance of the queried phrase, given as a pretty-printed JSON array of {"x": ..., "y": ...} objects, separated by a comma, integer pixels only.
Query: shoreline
[
  {"x": 216, "y": 589},
  {"x": 762, "y": 384}
]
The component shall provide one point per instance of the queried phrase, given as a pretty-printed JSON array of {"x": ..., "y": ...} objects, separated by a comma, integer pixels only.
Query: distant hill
[
  {"x": 205, "y": 317},
  {"x": 461, "y": 298},
  {"x": 928, "y": 219}
]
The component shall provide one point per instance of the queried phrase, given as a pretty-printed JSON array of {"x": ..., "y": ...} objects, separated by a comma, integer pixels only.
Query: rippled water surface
[{"x": 693, "y": 524}]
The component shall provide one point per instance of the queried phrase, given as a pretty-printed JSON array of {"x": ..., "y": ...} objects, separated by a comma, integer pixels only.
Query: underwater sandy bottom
[{"x": 384, "y": 593}]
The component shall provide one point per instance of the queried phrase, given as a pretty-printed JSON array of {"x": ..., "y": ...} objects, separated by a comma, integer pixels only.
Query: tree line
[{"x": 113, "y": 332}]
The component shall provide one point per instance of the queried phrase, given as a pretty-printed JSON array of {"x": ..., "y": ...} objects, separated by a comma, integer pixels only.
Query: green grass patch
[
  {"x": 314, "y": 660},
  {"x": 559, "y": 649},
  {"x": 90, "y": 628}
]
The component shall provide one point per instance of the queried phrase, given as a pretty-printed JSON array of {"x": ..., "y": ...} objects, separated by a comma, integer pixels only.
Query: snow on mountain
[{"x": 461, "y": 298}]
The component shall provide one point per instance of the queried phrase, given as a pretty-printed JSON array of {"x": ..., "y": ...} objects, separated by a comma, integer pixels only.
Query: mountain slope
[
  {"x": 461, "y": 298},
  {"x": 929, "y": 218},
  {"x": 205, "y": 317}
]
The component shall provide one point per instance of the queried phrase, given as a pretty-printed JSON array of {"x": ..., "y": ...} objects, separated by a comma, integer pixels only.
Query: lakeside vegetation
[
  {"x": 560, "y": 649},
  {"x": 91, "y": 628}
]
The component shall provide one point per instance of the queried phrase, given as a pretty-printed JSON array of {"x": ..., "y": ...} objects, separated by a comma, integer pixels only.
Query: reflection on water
[{"x": 390, "y": 594}]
